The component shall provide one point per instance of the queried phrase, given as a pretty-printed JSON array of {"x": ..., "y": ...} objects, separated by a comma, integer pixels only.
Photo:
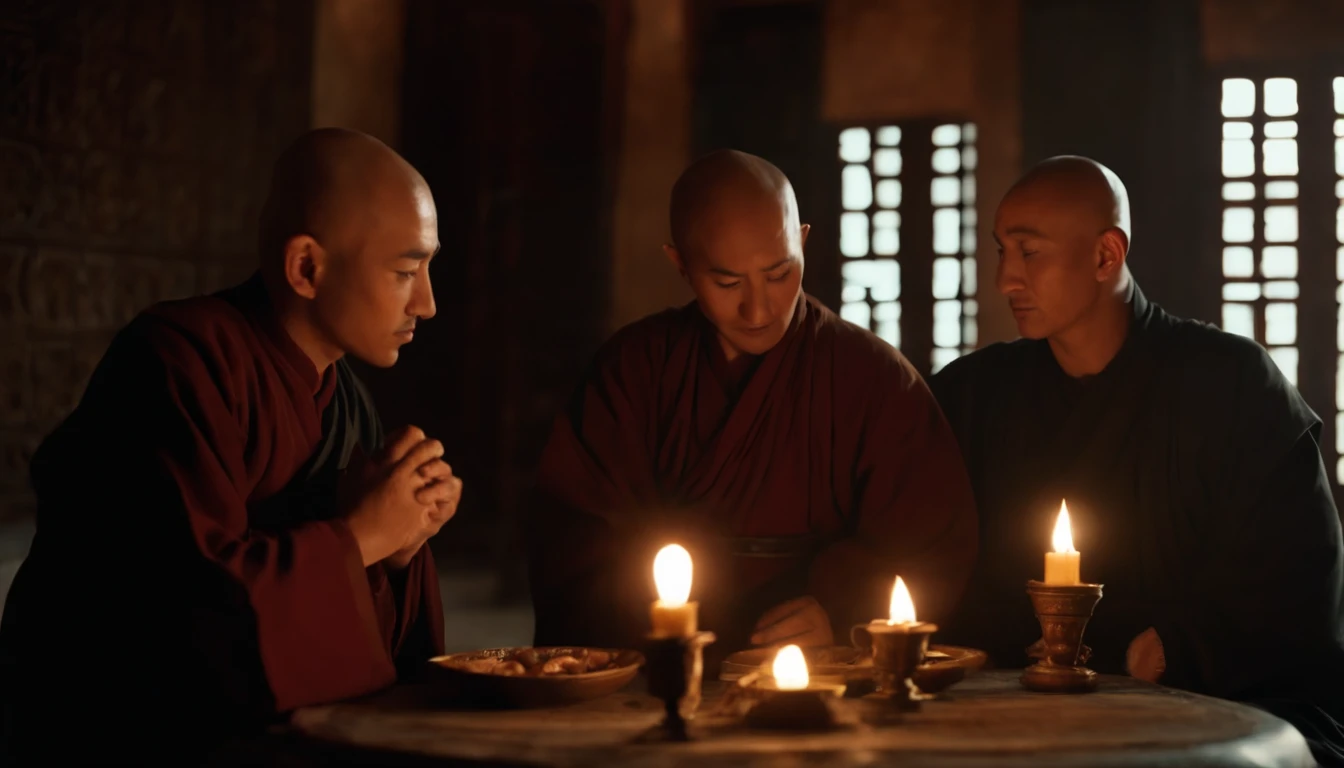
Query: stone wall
[{"x": 135, "y": 142}]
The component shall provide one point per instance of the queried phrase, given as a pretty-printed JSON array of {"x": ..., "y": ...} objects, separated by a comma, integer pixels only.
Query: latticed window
[
  {"x": 1339, "y": 277},
  {"x": 1260, "y": 215},
  {"x": 907, "y": 236},
  {"x": 1282, "y": 231}
]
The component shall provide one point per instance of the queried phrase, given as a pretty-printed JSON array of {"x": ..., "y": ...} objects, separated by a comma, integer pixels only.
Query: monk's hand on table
[
  {"x": 801, "y": 621},
  {"x": 396, "y": 505},
  {"x": 1145, "y": 658}
]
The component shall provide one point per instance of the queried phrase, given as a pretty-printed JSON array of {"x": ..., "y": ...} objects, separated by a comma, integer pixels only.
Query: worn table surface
[{"x": 988, "y": 719}]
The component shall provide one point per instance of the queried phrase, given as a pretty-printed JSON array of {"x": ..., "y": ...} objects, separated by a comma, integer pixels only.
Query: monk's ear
[
  {"x": 1112, "y": 250},
  {"x": 674, "y": 256},
  {"x": 305, "y": 260},
  {"x": 802, "y": 234}
]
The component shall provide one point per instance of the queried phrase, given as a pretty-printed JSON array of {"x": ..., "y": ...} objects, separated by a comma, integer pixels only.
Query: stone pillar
[
  {"x": 998, "y": 113},
  {"x": 358, "y": 53},
  {"x": 654, "y": 148}
]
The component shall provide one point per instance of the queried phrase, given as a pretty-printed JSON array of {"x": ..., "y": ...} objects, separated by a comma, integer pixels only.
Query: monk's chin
[
  {"x": 381, "y": 359},
  {"x": 1031, "y": 331}
]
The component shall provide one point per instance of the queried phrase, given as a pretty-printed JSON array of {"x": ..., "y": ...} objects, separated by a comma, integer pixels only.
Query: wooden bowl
[
  {"x": 944, "y": 666},
  {"x": 483, "y": 690}
]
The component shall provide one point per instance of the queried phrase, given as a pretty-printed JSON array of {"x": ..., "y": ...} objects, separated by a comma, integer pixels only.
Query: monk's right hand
[{"x": 395, "y": 506}]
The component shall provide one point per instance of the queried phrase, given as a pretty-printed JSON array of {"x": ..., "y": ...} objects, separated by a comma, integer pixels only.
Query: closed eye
[
  {"x": 781, "y": 277},
  {"x": 407, "y": 275}
]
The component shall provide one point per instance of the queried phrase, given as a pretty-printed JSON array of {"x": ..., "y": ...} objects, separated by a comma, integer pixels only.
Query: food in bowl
[{"x": 534, "y": 662}]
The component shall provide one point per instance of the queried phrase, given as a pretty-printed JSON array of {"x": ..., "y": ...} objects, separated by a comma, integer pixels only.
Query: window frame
[{"x": 1318, "y": 310}]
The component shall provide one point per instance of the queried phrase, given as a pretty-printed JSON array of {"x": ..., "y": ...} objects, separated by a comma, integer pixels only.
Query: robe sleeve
[
  {"x": 912, "y": 512},
  {"x": 1263, "y": 616},
  {"x": 316, "y": 628},
  {"x": 1260, "y": 617},
  {"x": 410, "y": 612},
  {"x": 409, "y": 604}
]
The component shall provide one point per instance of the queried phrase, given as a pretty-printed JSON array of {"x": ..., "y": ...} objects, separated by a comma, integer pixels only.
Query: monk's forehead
[
  {"x": 1050, "y": 207},
  {"x": 381, "y": 202},
  {"x": 740, "y": 222}
]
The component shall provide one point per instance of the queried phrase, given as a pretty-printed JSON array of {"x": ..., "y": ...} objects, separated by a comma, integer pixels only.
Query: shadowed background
[{"x": 136, "y": 137}]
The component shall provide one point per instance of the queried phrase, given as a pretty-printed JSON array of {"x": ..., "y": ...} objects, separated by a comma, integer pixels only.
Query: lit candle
[
  {"x": 902, "y": 610},
  {"x": 790, "y": 669},
  {"x": 1061, "y": 566},
  {"x": 792, "y": 701},
  {"x": 673, "y": 615}
]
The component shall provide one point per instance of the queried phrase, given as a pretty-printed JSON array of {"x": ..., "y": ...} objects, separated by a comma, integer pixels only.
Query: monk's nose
[
  {"x": 422, "y": 300},
  {"x": 756, "y": 308},
  {"x": 1008, "y": 278}
]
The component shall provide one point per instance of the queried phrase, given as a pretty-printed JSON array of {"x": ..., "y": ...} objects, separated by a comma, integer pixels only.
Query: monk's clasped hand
[{"x": 390, "y": 499}]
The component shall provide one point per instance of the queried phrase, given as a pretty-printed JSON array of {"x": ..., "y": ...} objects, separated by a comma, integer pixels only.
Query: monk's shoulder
[
  {"x": 1221, "y": 377},
  {"x": 1203, "y": 352},
  {"x": 991, "y": 363},
  {"x": 638, "y": 348},
  {"x": 859, "y": 354},
  {"x": 205, "y": 327}
]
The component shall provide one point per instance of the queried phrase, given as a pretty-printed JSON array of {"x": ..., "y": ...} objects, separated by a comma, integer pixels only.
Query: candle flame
[
  {"x": 902, "y": 607},
  {"x": 672, "y": 575},
  {"x": 1063, "y": 537},
  {"x": 790, "y": 669}
]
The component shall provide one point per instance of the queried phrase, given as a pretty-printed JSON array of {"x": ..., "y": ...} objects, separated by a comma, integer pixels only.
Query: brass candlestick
[
  {"x": 675, "y": 666},
  {"x": 897, "y": 650},
  {"x": 1063, "y": 610}
]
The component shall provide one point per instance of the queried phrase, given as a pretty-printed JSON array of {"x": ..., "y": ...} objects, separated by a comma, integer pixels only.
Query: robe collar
[
  {"x": 1135, "y": 351},
  {"x": 252, "y": 298}
]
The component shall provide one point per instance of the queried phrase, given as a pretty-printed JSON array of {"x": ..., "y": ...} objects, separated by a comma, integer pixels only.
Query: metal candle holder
[
  {"x": 897, "y": 650},
  {"x": 675, "y": 667},
  {"x": 1063, "y": 610}
]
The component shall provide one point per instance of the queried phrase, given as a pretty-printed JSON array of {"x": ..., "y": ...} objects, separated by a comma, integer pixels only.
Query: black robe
[{"x": 1198, "y": 498}]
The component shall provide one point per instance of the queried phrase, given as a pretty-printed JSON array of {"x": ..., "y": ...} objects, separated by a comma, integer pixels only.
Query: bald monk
[
  {"x": 799, "y": 458},
  {"x": 1189, "y": 464},
  {"x": 222, "y": 534}
]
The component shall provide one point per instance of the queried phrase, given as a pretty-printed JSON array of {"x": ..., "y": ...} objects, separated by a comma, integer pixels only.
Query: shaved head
[
  {"x": 724, "y": 187},
  {"x": 1063, "y": 232},
  {"x": 346, "y": 234},
  {"x": 737, "y": 241},
  {"x": 327, "y": 184},
  {"x": 1087, "y": 189}
]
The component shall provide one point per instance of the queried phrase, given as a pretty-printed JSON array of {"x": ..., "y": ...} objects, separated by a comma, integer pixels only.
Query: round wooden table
[{"x": 987, "y": 720}]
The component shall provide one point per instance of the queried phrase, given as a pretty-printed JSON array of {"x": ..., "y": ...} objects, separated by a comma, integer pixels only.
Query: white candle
[
  {"x": 1062, "y": 565},
  {"x": 672, "y": 613}
]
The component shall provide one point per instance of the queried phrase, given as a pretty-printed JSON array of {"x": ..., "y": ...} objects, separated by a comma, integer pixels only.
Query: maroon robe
[
  {"x": 189, "y": 577},
  {"x": 830, "y": 473}
]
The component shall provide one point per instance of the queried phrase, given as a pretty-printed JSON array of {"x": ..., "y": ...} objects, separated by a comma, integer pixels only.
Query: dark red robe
[
  {"x": 827, "y": 472},
  {"x": 189, "y": 575}
]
